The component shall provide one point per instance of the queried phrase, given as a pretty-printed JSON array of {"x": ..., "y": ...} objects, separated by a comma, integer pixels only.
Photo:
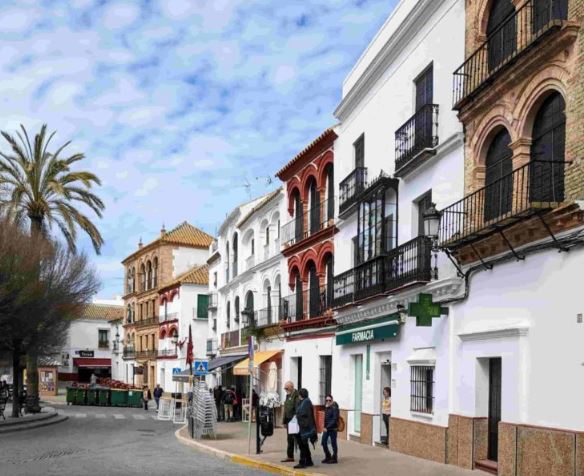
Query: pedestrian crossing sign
[{"x": 200, "y": 367}]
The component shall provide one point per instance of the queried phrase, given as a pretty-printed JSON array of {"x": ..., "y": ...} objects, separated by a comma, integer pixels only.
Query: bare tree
[{"x": 43, "y": 286}]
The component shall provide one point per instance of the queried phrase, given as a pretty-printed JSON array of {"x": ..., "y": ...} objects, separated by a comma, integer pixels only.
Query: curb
[
  {"x": 243, "y": 460},
  {"x": 31, "y": 425}
]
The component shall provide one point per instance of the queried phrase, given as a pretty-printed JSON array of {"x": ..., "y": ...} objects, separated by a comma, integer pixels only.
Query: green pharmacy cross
[{"x": 424, "y": 310}]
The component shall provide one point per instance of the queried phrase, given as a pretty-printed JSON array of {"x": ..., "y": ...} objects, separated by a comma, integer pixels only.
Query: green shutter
[{"x": 202, "y": 306}]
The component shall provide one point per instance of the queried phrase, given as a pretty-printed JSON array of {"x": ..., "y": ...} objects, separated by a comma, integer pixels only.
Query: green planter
[
  {"x": 103, "y": 398},
  {"x": 71, "y": 395},
  {"x": 135, "y": 398},
  {"x": 80, "y": 396},
  {"x": 119, "y": 398}
]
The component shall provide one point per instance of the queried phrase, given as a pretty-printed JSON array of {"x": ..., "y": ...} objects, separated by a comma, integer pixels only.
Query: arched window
[
  {"x": 227, "y": 263},
  {"x": 228, "y": 320},
  {"x": 237, "y": 309},
  {"x": 129, "y": 317},
  {"x": 129, "y": 281},
  {"x": 155, "y": 272},
  {"x": 142, "y": 277},
  {"x": 314, "y": 302},
  {"x": 249, "y": 308},
  {"x": 498, "y": 179},
  {"x": 149, "y": 274},
  {"x": 330, "y": 276},
  {"x": 299, "y": 298},
  {"x": 501, "y": 33},
  {"x": 314, "y": 206},
  {"x": 235, "y": 248},
  {"x": 133, "y": 279},
  {"x": 545, "y": 11},
  {"x": 330, "y": 192},
  {"x": 298, "y": 217},
  {"x": 548, "y": 149}
]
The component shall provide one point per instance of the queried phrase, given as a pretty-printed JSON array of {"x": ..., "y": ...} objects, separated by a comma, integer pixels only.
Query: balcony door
[
  {"x": 298, "y": 218},
  {"x": 299, "y": 299},
  {"x": 424, "y": 98},
  {"x": 494, "y": 408},
  {"x": 548, "y": 148},
  {"x": 498, "y": 179},
  {"x": 314, "y": 197},
  {"x": 314, "y": 296},
  {"x": 501, "y": 33}
]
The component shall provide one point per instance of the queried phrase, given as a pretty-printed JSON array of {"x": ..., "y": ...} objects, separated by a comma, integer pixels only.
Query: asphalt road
[{"x": 98, "y": 441}]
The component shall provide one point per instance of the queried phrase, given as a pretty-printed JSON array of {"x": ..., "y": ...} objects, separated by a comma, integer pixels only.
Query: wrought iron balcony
[
  {"x": 167, "y": 353},
  {"x": 534, "y": 187},
  {"x": 407, "y": 264},
  {"x": 150, "y": 321},
  {"x": 308, "y": 304},
  {"x": 416, "y": 139},
  {"x": 129, "y": 353},
  {"x": 311, "y": 222},
  {"x": 146, "y": 354},
  {"x": 266, "y": 317},
  {"x": 350, "y": 188},
  {"x": 516, "y": 35},
  {"x": 230, "y": 339}
]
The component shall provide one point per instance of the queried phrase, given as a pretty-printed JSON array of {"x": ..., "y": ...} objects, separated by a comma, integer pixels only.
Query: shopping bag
[{"x": 293, "y": 428}]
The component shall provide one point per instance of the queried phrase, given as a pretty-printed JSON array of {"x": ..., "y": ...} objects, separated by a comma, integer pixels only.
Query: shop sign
[
  {"x": 383, "y": 328},
  {"x": 85, "y": 353}
]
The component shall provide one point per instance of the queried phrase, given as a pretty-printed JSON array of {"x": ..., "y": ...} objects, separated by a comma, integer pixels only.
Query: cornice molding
[{"x": 490, "y": 334}]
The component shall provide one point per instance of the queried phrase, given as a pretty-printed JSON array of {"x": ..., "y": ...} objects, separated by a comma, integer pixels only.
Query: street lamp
[
  {"x": 431, "y": 227},
  {"x": 246, "y": 317}
]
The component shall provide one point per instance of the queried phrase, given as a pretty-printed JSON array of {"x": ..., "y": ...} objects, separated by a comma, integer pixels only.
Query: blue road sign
[
  {"x": 200, "y": 367},
  {"x": 176, "y": 370}
]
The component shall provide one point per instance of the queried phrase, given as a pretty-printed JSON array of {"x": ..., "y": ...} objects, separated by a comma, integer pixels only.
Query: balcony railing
[
  {"x": 535, "y": 186},
  {"x": 250, "y": 261},
  {"x": 312, "y": 221},
  {"x": 515, "y": 35},
  {"x": 387, "y": 242},
  {"x": 167, "y": 353},
  {"x": 351, "y": 186},
  {"x": 408, "y": 263},
  {"x": 150, "y": 321},
  {"x": 212, "y": 301},
  {"x": 129, "y": 353},
  {"x": 230, "y": 339},
  {"x": 267, "y": 316},
  {"x": 171, "y": 316},
  {"x": 307, "y": 304},
  {"x": 103, "y": 345},
  {"x": 418, "y": 134},
  {"x": 146, "y": 354}
]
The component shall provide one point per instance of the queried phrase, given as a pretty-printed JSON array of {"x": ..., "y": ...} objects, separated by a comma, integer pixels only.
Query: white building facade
[{"x": 399, "y": 150}]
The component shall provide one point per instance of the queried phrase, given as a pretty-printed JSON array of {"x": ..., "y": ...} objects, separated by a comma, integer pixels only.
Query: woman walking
[
  {"x": 331, "y": 426},
  {"x": 386, "y": 411},
  {"x": 305, "y": 417}
]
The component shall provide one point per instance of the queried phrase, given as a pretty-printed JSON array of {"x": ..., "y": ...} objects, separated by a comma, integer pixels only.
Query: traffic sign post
[
  {"x": 175, "y": 370},
  {"x": 200, "y": 368}
]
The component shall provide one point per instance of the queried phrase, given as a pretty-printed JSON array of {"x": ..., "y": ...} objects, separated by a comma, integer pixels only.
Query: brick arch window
[
  {"x": 501, "y": 33},
  {"x": 548, "y": 149},
  {"x": 155, "y": 272},
  {"x": 330, "y": 192},
  {"x": 498, "y": 179},
  {"x": 330, "y": 277},
  {"x": 298, "y": 217},
  {"x": 149, "y": 274},
  {"x": 133, "y": 279},
  {"x": 314, "y": 205},
  {"x": 314, "y": 291},
  {"x": 142, "y": 277}
]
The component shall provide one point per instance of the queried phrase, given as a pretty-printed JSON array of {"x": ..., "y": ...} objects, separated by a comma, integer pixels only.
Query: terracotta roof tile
[{"x": 101, "y": 312}]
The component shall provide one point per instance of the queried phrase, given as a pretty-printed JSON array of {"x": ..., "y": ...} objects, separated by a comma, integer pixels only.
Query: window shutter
[{"x": 202, "y": 306}]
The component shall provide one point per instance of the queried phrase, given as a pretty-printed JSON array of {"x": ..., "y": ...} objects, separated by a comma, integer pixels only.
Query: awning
[
  {"x": 423, "y": 356},
  {"x": 92, "y": 363},
  {"x": 382, "y": 328},
  {"x": 225, "y": 360},
  {"x": 259, "y": 358}
]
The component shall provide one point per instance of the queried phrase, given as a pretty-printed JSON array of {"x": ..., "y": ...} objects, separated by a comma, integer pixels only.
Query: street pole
[{"x": 250, "y": 405}]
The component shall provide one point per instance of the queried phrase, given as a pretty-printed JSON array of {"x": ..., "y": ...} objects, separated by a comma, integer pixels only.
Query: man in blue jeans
[
  {"x": 158, "y": 391},
  {"x": 331, "y": 425}
]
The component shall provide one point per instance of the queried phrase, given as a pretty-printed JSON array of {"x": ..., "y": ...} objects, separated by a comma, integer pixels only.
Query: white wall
[
  {"x": 184, "y": 259},
  {"x": 84, "y": 335}
]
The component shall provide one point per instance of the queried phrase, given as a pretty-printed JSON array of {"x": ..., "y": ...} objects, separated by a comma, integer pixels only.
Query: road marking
[
  {"x": 117, "y": 416},
  {"x": 139, "y": 417},
  {"x": 100, "y": 415},
  {"x": 80, "y": 415}
]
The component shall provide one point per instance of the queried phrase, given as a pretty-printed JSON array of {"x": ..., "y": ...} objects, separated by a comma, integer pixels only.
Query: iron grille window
[
  {"x": 422, "y": 389},
  {"x": 359, "y": 147},
  {"x": 325, "y": 378},
  {"x": 499, "y": 166},
  {"x": 103, "y": 339},
  {"x": 374, "y": 230}
]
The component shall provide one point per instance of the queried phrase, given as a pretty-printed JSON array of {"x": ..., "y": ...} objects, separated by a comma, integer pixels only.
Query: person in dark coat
[
  {"x": 218, "y": 396},
  {"x": 290, "y": 405},
  {"x": 331, "y": 425},
  {"x": 158, "y": 392},
  {"x": 305, "y": 416}
]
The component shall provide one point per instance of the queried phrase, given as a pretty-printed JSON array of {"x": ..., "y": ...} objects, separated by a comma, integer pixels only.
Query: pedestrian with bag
[
  {"x": 290, "y": 405},
  {"x": 158, "y": 391},
  {"x": 146, "y": 396},
  {"x": 228, "y": 399},
  {"x": 307, "y": 426},
  {"x": 331, "y": 427}
]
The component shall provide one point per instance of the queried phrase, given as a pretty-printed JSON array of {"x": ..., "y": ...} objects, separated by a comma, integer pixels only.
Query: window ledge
[{"x": 427, "y": 416}]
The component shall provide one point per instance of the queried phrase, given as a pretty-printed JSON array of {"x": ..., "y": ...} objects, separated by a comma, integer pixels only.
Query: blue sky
[{"x": 178, "y": 104}]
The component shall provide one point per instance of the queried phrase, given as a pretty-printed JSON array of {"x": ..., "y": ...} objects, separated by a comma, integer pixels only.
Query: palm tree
[{"x": 40, "y": 186}]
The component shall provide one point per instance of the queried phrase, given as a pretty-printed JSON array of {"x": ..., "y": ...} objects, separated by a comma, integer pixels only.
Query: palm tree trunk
[{"x": 32, "y": 372}]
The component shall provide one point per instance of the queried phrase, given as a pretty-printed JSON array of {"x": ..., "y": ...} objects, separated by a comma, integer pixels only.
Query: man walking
[
  {"x": 158, "y": 391},
  {"x": 290, "y": 406}
]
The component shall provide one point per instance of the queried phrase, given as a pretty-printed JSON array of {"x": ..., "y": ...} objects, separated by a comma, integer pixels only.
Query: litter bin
[
  {"x": 71, "y": 395},
  {"x": 135, "y": 398},
  {"x": 103, "y": 397},
  {"x": 92, "y": 396},
  {"x": 80, "y": 396},
  {"x": 119, "y": 398}
]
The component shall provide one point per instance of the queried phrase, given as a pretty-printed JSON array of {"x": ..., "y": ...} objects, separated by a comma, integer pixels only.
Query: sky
[{"x": 183, "y": 108}]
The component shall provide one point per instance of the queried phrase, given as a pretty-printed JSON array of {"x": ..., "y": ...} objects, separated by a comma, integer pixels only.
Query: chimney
[
  {"x": 140, "y": 244},
  {"x": 162, "y": 230}
]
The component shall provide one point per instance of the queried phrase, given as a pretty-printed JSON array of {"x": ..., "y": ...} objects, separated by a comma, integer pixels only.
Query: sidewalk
[
  {"x": 47, "y": 416},
  {"x": 354, "y": 458}
]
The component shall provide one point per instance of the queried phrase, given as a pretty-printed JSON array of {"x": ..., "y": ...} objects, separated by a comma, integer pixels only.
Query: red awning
[{"x": 93, "y": 363}]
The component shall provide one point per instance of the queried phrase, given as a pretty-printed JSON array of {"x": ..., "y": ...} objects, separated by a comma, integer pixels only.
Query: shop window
[{"x": 422, "y": 389}]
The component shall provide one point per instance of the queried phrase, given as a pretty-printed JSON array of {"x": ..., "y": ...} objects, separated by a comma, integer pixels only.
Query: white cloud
[
  {"x": 150, "y": 184},
  {"x": 16, "y": 20},
  {"x": 121, "y": 15}
]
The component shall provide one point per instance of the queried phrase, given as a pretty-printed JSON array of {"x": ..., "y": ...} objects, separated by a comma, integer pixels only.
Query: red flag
[{"x": 190, "y": 347}]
